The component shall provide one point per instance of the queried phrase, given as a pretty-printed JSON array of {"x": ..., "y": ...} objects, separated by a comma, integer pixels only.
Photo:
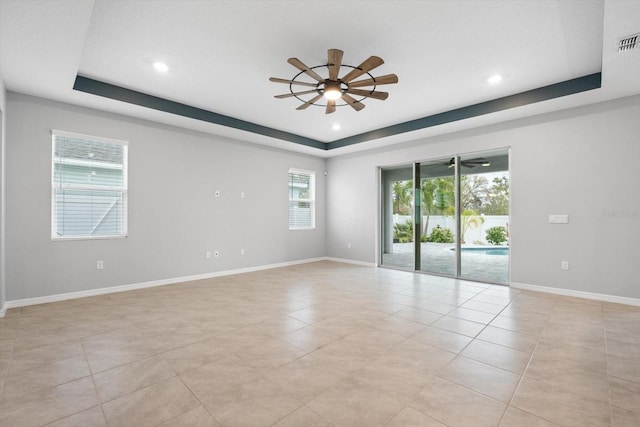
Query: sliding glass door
[{"x": 448, "y": 216}]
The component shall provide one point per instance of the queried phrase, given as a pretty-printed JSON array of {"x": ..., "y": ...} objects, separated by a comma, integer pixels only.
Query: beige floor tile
[
  {"x": 382, "y": 338},
  {"x": 129, "y": 378},
  {"x": 507, "y": 338},
  {"x": 472, "y": 315},
  {"x": 623, "y": 367},
  {"x": 418, "y": 315},
  {"x": 351, "y": 404},
  {"x": 517, "y": 418},
  {"x": 193, "y": 356},
  {"x": 440, "y": 338},
  {"x": 375, "y": 339},
  {"x": 459, "y": 326},
  {"x": 456, "y": 406},
  {"x": 580, "y": 334},
  {"x": 28, "y": 359},
  {"x": 345, "y": 355},
  {"x": 497, "y": 355},
  {"x": 50, "y": 404},
  {"x": 120, "y": 354},
  {"x": 198, "y": 417},
  {"x": 409, "y": 417},
  {"x": 482, "y": 378},
  {"x": 624, "y": 418},
  {"x": 625, "y": 394},
  {"x": 399, "y": 325},
  {"x": 306, "y": 377},
  {"x": 303, "y": 416},
  {"x": 237, "y": 394},
  {"x": 572, "y": 368},
  {"x": 413, "y": 360},
  {"x": 473, "y": 304},
  {"x": 310, "y": 338},
  {"x": 119, "y": 337},
  {"x": 150, "y": 406},
  {"x": 91, "y": 417},
  {"x": 623, "y": 349},
  {"x": 560, "y": 406},
  {"x": 532, "y": 325},
  {"x": 271, "y": 354},
  {"x": 20, "y": 385}
]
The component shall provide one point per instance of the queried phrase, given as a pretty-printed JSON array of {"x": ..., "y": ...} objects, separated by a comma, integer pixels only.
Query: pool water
[{"x": 485, "y": 251}]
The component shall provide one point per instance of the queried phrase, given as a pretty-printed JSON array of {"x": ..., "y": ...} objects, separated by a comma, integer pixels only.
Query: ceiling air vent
[{"x": 629, "y": 43}]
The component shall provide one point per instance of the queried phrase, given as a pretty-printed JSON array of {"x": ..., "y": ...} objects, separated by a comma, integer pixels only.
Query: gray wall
[
  {"x": 3, "y": 94},
  {"x": 174, "y": 216},
  {"x": 582, "y": 162}
]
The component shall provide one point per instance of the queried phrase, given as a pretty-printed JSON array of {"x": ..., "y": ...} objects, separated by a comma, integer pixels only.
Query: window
[
  {"x": 89, "y": 187},
  {"x": 302, "y": 205}
]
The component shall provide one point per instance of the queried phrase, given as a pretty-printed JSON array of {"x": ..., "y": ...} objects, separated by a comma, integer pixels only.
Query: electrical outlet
[
  {"x": 564, "y": 265},
  {"x": 241, "y": 251},
  {"x": 208, "y": 255},
  {"x": 348, "y": 245},
  {"x": 216, "y": 254},
  {"x": 99, "y": 265}
]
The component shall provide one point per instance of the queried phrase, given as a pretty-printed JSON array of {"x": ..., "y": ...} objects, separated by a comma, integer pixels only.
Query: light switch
[{"x": 558, "y": 219}]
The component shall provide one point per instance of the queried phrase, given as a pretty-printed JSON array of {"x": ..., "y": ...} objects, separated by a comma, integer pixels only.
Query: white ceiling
[{"x": 221, "y": 54}]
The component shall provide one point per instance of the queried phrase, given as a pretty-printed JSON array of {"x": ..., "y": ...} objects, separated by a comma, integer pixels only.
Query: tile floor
[{"x": 321, "y": 344}]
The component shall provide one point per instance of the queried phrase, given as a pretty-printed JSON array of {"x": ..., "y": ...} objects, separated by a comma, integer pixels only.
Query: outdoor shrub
[
  {"x": 403, "y": 233},
  {"x": 496, "y": 235},
  {"x": 441, "y": 235}
]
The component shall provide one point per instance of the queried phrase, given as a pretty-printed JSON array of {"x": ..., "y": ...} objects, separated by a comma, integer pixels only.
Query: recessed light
[
  {"x": 161, "y": 66},
  {"x": 496, "y": 78},
  {"x": 336, "y": 126}
]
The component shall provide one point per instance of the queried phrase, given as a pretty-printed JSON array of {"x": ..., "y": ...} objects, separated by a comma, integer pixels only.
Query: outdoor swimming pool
[{"x": 485, "y": 251}]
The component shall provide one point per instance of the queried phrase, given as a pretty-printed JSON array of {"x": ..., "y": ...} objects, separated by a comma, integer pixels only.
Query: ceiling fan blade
[
  {"x": 382, "y": 80},
  {"x": 302, "y": 67},
  {"x": 368, "y": 65},
  {"x": 370, "y": 94},
  {"x": 289, "y": 95},
  {"x": 309, "y": 102},
  {"x": 331, "y": 106},
  {"x": 356, "y": 105},
  {"x": 292, "y": 82},
  {"x": 334, "y": 62}
]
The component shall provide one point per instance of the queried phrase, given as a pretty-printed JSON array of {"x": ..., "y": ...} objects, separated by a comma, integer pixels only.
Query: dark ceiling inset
[{"x": 565, "y": 88}]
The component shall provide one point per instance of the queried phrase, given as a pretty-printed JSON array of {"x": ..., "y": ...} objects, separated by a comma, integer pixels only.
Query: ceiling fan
[
  {"x": 331, "y": 87},
  {"x": 471, "y": 163}
]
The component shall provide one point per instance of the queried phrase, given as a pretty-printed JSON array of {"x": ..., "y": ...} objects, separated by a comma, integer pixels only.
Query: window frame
[
  {"x": 124, "y": 189},
  {"x": 311, "y": 200}
]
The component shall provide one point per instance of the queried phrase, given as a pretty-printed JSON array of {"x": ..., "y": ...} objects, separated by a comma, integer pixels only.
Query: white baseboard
[
  {"x": 122, "y": 288},
  {"x": 578, "y": 294},
  {"x": 350, "y": 261}
]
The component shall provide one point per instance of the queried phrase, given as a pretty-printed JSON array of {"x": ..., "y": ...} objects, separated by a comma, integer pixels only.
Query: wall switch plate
[
  {"x": 564, "y": 265},
  {"x": 216, "y": 254},
  {"x": 99, "y": 265},
  {"x": 558, "y": 219},
  {"x": 242, "y": 252},
  {"x": 348, "y": 245},
  {"x": 242, "y": 194}
]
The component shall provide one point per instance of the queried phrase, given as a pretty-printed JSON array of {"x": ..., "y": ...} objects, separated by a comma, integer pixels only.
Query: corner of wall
[{"x": 3, "y": 97}]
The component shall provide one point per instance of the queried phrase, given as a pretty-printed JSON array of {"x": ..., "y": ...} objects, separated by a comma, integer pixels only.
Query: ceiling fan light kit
[{"x": 334, "y": 88}]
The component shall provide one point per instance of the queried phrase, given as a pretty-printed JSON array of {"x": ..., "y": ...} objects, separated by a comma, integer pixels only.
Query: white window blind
[
  {"x": 89, "y": 187},
  {"x": 302, "y": 204}
]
